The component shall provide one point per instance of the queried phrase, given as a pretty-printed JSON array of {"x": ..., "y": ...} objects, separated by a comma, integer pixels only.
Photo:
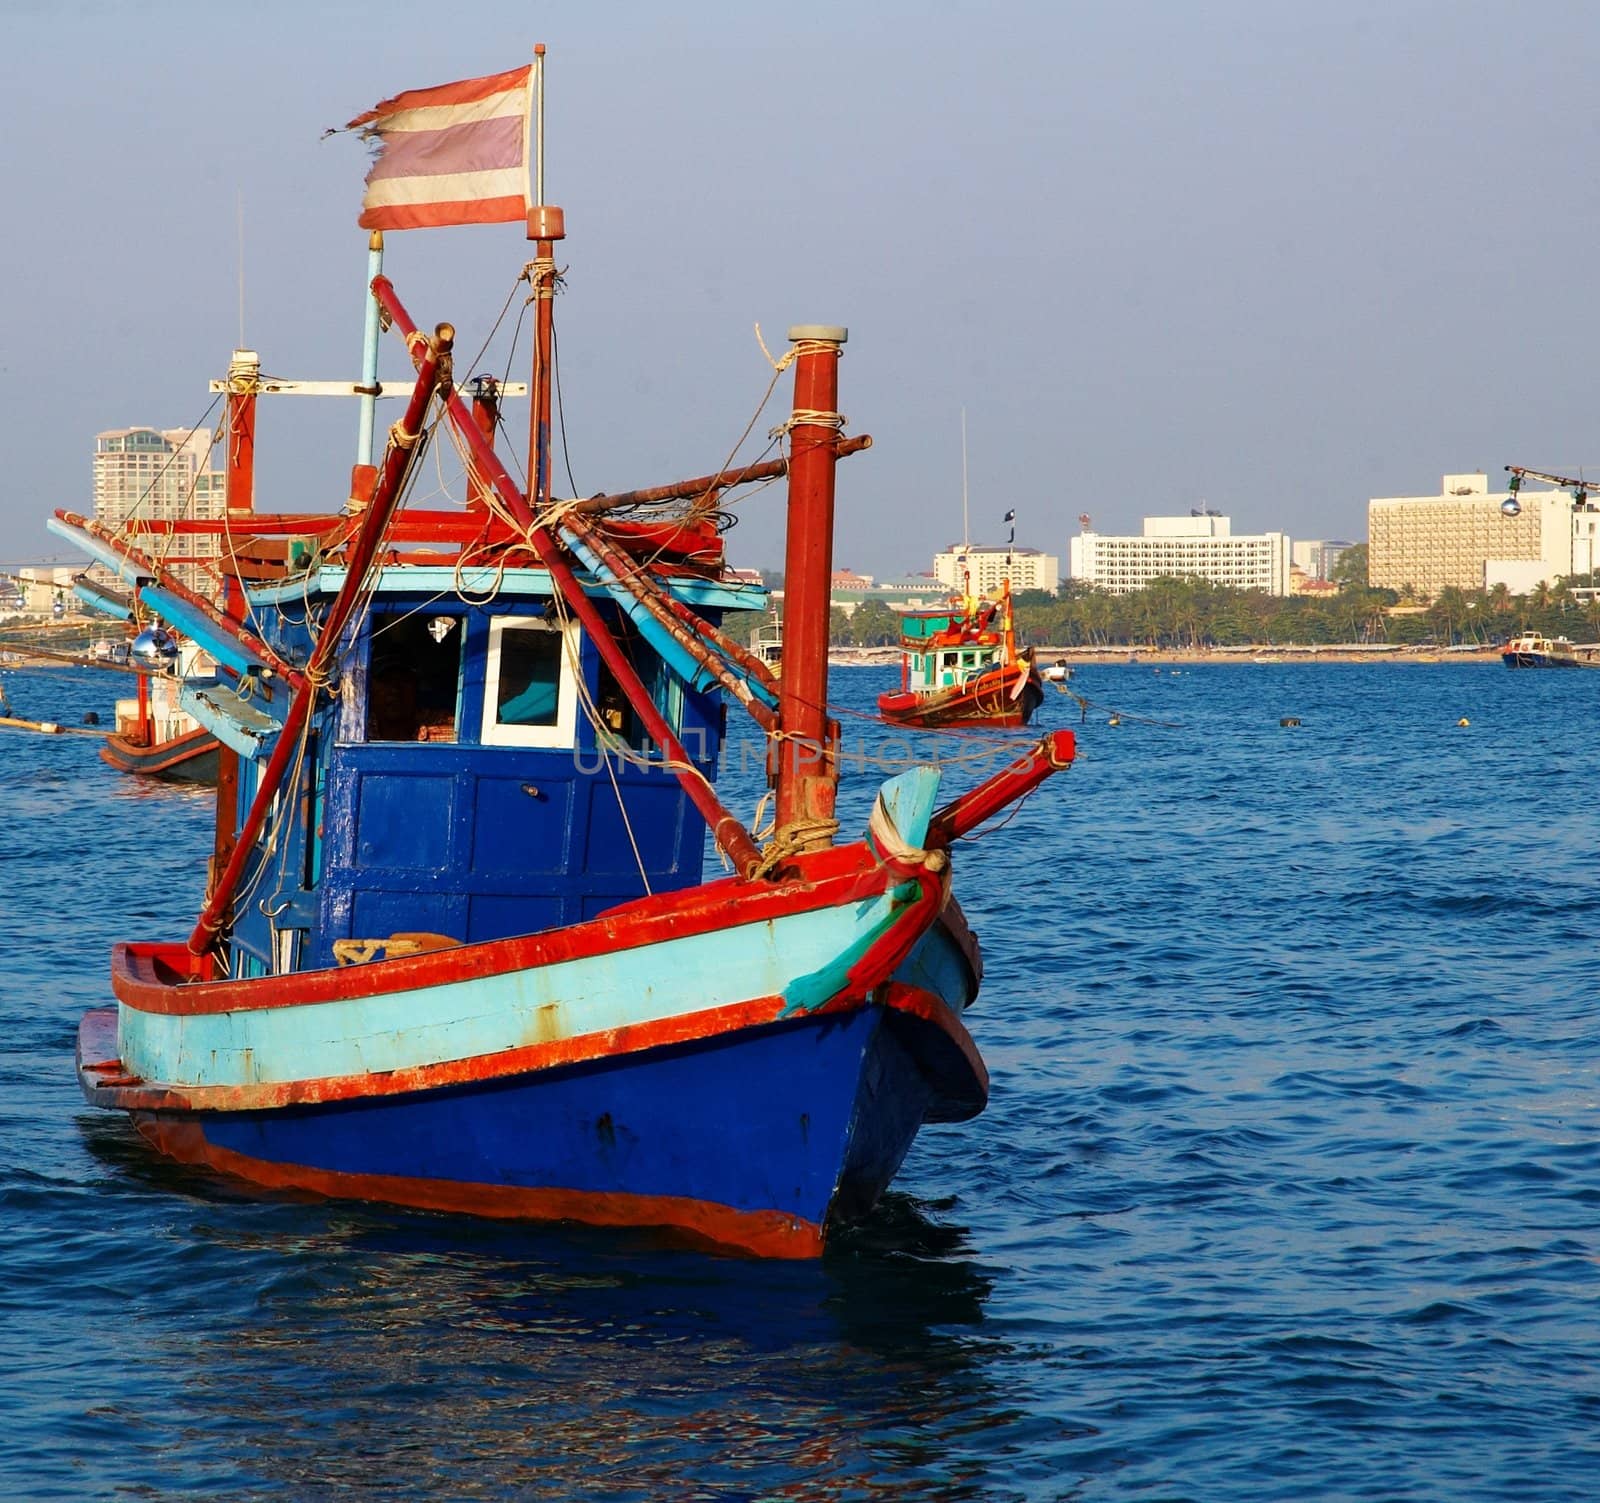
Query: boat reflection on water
[{"x": 336, "y": 1345}]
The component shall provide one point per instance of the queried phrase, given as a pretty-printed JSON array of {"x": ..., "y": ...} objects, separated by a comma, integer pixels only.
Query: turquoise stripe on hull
[{"x": 486, "y": 1015}]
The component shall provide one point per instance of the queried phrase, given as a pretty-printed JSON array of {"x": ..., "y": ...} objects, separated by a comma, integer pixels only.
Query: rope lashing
[
  {"x": 793, "y": 838},
  {"x": 886, "y": 834},
  {"x": 542, "y": 276},
  {"x": 804, "y": 416}
]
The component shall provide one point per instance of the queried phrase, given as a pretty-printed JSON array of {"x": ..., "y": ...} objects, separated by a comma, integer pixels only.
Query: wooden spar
[
  {"x": 729, "y": 834},
  {"x": 807, "y": 771},
  {"x": 708, "y": 486},
  {"x": 629, "y": 575},
  {"x": 77, "y": 659},
  {"x": 362, "y": 550},
  {"x": 169, "y": 582},
  {"x": 48, "y": 727},
  {"x": 1051, "y": 753},
  {"x": 724, "y": 644}
]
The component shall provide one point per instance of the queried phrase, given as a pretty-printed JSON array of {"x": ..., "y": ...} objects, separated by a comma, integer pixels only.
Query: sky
[{"x": 1264, "y": 256}]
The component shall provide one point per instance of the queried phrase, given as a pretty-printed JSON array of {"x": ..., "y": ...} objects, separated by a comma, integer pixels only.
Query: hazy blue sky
[{"x": 1273, "y": 256}]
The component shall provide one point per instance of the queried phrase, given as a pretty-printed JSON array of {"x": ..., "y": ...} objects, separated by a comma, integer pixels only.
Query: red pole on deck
[
  {"x": 244, "y": 381},
  {"x": 807, "y": 771}
]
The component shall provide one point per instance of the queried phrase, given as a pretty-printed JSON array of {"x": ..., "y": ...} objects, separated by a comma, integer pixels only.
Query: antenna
[
  {"x": 966, "y": 531},
  {"x": 538, "y": 124},
  {"x": 238, "y": 195}
]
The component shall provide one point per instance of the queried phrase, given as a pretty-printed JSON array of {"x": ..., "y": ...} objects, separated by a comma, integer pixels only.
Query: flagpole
[{"x": 546, "y": 225}]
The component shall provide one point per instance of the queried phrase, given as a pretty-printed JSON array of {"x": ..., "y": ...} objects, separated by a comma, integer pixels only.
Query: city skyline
[{"x": 1253, "y": 259}]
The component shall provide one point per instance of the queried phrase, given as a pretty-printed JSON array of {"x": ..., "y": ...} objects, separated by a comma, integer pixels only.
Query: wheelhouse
[{"x": 482, "y": 774}]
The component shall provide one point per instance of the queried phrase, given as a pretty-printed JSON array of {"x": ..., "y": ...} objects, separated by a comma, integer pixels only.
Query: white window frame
[{"x": 563, "y": 733}]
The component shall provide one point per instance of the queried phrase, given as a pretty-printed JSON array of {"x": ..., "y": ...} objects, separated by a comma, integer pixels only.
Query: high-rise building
[
  {"x": 1317, "y": 557},
  {"x": 162, "y": 476},
  {"x": 1201, "y": 545},
  {"x": 1464, "y": 537},
  {"x": 988, "y": 567}
]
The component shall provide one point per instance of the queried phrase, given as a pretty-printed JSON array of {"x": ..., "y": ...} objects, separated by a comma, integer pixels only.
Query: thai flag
[{"x": 453, "y": 154}]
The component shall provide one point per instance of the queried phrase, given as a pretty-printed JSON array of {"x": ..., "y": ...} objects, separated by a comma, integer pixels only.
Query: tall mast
[{"x": 546, "y": 225}]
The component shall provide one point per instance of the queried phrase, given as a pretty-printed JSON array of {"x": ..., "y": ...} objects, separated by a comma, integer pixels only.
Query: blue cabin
[{"x": 459, "y": 787}]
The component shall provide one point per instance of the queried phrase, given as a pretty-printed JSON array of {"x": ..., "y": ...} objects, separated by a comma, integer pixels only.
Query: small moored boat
[
  {"x": 961, "y": 666},
  {"x": 1535, "y": 650}
]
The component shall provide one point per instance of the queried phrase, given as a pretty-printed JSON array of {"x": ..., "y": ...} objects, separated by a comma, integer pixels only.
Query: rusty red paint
[
  {"x": 1053, "y": 752},
  {"x": 807, "y": 769},
  {"x": 241, "y": 450}
]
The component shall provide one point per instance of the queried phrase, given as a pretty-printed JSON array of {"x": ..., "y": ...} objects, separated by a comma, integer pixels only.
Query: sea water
[{"x": 1289, "y": 1185}]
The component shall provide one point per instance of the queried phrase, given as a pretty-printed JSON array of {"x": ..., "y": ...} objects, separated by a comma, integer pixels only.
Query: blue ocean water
[{"x": 1289, "y": 1186}]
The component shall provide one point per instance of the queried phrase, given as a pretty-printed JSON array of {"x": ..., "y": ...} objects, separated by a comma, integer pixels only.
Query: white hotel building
[
  {"x": 1201, "y": 546},
  {"x": 1028, "y": 568}
]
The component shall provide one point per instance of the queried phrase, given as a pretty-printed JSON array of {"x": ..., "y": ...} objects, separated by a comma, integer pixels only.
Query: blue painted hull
[{"x": 763, "y": 1137}]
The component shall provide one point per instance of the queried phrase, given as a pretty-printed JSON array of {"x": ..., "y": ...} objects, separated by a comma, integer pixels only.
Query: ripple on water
[{"x": 1287, "y": 1186}]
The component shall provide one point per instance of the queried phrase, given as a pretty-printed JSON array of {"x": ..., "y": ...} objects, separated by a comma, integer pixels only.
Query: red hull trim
[
  {"x": 165, "y": 758},
  {"x": 163, "y": 978},
  {"x": 1005, "y": 696}
]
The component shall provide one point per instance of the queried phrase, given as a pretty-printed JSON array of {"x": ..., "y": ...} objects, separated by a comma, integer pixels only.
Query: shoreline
[{"x": 859, "y": 657}]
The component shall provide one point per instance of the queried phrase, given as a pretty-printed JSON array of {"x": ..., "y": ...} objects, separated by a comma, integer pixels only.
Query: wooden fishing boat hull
[
  {"x": 659, "y": 1138},
  {"x": 1005, "y": 696},
  {"x": 750, "y": 1086},
  {"x": 193, "y": 757}
]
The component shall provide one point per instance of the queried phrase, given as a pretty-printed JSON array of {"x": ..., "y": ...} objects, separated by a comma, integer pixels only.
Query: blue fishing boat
[{"x": 457, "y": 948}]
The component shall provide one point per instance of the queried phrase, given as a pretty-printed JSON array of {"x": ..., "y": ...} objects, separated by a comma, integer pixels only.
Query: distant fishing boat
[
  {"x": 1535, "y": 650},
  {"x": 960, "y": 666},
  {"x": 155, "y": 736},
  {"x": 456, "y": 949},
  {"x": 766, "y": 642}
]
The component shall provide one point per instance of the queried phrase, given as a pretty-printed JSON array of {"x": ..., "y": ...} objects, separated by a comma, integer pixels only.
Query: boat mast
[
  {"x": 365, "y": 475},
  {"x": 966, "y": 526},
  {"x": 807, "y": 770},
  {"x": 546, "y": 225},
  {"x": 966, "y": 529}
]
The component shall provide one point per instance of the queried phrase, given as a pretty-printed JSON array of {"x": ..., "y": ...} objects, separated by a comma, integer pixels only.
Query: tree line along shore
[{"x": 1197, "y": 617}]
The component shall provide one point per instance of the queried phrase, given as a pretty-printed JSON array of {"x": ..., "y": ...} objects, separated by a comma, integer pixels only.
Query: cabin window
[
  {"x": 414, "y": 678},
  {"x": 531, "y": 696}
]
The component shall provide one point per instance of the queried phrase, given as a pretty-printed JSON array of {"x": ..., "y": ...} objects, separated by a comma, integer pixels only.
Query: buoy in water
[
  {"x": 1115, "y": 720},
  {"x": 91, "y": 717},
  {"x": 1463, "y": 721}
]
